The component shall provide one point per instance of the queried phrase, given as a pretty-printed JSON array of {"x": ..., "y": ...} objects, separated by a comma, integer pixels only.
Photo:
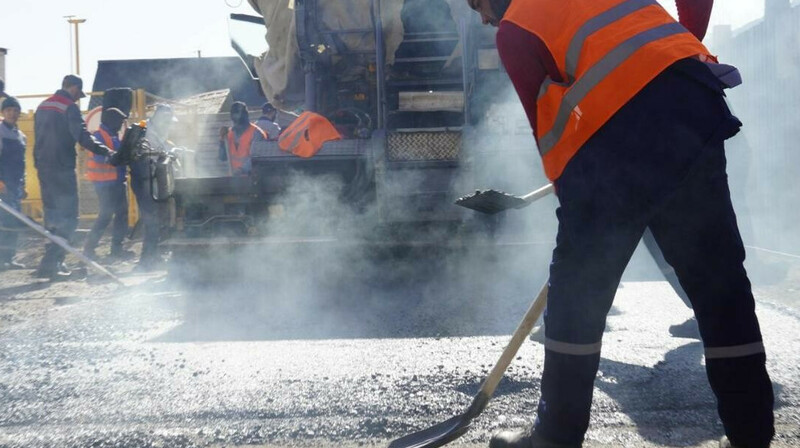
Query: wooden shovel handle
[{"x": 520, "y": 334}]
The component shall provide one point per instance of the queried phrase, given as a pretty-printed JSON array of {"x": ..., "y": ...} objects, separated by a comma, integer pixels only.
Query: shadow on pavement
[
  {"x": 676, "y": 389},
  {"x": 671, "y": 403},
  {"x": 9, "y": 293}
]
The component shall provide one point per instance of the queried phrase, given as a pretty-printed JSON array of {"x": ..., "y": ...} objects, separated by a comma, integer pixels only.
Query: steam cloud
[{"x": 313, "y": 276}]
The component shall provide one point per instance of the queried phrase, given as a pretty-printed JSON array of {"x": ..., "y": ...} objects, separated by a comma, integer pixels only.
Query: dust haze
[{"x": 325, "y": 268}]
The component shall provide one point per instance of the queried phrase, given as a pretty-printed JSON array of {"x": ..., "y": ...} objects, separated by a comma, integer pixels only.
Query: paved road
[{"x": 300, "y": 364}]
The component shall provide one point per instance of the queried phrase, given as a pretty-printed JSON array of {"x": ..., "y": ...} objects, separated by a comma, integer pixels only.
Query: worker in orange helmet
[{"x": 628, "y": 112}]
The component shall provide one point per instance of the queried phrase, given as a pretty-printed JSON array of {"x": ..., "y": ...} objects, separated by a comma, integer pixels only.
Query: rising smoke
[{"x": 327, "y": 269}]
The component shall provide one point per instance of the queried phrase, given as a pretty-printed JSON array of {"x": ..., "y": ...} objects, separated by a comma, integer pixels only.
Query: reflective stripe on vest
[
  {"x": 55, "y": 103},
  {"x": 306, "y": 135},
  {"x": 241, "y": 152},
  {"x": 607, "y": 51},
  {"x": 97, "y": 171}
]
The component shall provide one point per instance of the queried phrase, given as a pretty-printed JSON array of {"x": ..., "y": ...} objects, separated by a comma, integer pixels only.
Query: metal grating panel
[{"x": 444, "y": 145}]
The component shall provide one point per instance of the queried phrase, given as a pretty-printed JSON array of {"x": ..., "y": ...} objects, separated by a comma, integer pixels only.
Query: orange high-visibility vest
[
  {"x": 97, "y": 170},
  {"x": 241, "y": 152},
  {"x": 306, "y": 135},
  {"x": 606, "y": 52}
]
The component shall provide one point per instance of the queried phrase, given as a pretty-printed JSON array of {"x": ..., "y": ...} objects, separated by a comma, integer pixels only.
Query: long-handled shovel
[
  {"x": 493, "y": 201},
  {"x": 451, "y": 429},
  {"x": 61, "y": 242}
]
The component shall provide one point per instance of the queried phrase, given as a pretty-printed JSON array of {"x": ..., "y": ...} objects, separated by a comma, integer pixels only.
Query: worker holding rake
[{"x": 627, "y": 108}]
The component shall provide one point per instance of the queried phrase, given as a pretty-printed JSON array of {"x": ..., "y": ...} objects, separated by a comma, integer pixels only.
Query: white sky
[{"x": 38, "y": 37}]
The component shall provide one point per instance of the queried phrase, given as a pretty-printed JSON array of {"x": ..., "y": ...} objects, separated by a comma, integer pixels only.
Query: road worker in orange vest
[
  {"x": 111, "y": 187},
  {"x": 628, "y": 110},
  {"x": 236, "y": 143}
]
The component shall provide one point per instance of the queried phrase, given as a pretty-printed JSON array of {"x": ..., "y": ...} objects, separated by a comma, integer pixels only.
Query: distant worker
[
  {"x": 58, "y": 126},
  {"x": 235, "y": 146},
  {"x": 142, "y": 183},
  {"x": 628, "y": 110},
  {"x": 268, "y": 123},
  {"x": 111, "y": 187},
  {"x": 12, "y": 180}
]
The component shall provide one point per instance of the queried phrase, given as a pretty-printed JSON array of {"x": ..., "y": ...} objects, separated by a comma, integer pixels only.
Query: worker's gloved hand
[
  {"x": 223, "y": 133},
  {"x": 2, "y": 187},
  {"x": 115, "y": 158},
  {"x": 103, "y": 150}
]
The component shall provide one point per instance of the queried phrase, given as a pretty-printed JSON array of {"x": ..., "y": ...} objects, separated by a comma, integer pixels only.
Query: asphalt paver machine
[{"x": 415, "y": 108}]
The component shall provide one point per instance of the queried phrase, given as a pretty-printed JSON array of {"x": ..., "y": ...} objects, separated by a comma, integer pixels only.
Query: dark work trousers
[
  {"x": 666, "y": 270},
  {"x": 148, "y": 214},
  {"x": 9, "y": 229},
  {"x": 113, "y": 198},
  {"x": 60, "y": 199},
  {"x": 658, "y": 163}
]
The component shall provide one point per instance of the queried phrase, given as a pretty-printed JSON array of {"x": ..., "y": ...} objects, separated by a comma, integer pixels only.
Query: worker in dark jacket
[
  {"x": 268, "y": 121},
  {"x": 12, "y": 180},
  {"x": 142, "y": 172},
  {"x": 628, "y": 112},
  {"x": 58, "y": 126},
  {"x": 111, "y": 187}
]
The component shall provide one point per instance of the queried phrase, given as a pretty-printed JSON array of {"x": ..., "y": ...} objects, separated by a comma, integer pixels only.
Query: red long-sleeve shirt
[{"x": 528, "y": 61}]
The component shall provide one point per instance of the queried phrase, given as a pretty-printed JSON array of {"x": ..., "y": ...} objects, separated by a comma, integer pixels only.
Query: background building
[{"x": 764, "y": 159}]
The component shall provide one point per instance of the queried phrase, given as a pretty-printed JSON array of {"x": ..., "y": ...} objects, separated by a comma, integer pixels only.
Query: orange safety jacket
[
  {"x": 306, "y": 135},
  {"x": 241, "y": 152},
  {"x": 97, "y": 170},
  {"x": 606, "y": 52}
]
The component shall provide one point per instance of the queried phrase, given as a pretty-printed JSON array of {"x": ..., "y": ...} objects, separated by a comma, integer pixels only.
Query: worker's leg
[
  {"x": 9, "y": 226},
  {"x": 596, "y": 238},
  {"x": 70, "y": 209},
  {"x": 59, "y": 189},
  {"x": 49, "y": 206},
  {"x": 698, "y": 234},
  {"x": 666, "y": 270},
  {"x": 120, "y": 202},
  {"x": 148, "y": 213},
  {"x": 104, "y": 216},
  {"x": 8, "y": 241},
  {"x": 151, "y": 233}
]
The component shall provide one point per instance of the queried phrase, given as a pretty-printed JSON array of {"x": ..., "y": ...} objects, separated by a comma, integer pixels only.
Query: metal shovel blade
[
  {"x": 435, "y": 436},
  {"x": 491, "y": 202}
]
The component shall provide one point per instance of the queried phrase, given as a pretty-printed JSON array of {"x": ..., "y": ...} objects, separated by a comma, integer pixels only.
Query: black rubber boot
[{"x": 47, "y": 267}]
